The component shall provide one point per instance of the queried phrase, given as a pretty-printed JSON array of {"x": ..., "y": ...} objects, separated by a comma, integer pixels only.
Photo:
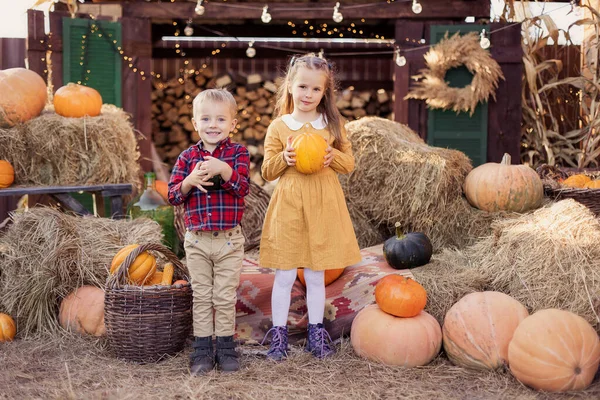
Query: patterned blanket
[{"x": 345, "y": 297}]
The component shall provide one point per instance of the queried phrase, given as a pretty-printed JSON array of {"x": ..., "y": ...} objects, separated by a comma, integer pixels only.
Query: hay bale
[
  {"x": 45, "y": 254},
  {"x": 57, "y": 151},
  {"x": 366, "y": 231},
  {"x": 448, "y": 278},
  {"x": 546, "y": 259},
  {"x": 399, "y": 178}
]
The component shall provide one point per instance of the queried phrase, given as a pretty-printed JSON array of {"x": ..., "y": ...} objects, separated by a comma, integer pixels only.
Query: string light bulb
[
  {"x": 337, "y": 15},
  {"x": 417, "y": 7},
  {"x": 265, "y": 17},
  {"x": 400, "y": 59},
  {"x": 200, "y": 7},
  {"x": 484, "y": 42},
  {"x": 251, "y": 51},
  {"x": 188, "y": 30}
]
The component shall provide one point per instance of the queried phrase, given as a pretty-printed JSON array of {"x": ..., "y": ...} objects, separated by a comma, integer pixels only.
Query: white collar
[{"x": 294, "y": 125}]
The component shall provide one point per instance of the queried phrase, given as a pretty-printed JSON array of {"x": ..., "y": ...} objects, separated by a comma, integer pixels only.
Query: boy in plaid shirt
[{"x": 211, "y": 179}]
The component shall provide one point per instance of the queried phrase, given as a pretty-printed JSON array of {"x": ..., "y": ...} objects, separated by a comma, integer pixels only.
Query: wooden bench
[{"x": 61, "y": 194}]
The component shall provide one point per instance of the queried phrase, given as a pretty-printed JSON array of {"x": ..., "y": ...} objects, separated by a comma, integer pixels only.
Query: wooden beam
[{"x": 432, "y": 9}]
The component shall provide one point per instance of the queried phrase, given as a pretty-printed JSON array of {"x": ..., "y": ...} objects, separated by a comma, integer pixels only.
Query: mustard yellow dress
[{"x": 307, "y": 222}]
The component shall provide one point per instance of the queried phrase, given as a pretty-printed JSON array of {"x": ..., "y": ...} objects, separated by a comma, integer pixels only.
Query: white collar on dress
[{"x": 294, "y": 125}]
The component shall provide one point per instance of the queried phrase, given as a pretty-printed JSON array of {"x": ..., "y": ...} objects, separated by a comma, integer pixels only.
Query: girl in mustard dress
[{"x": 307, "y": 223}]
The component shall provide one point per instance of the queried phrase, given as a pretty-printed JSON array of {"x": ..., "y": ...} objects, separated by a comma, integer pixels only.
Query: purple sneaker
[
  {"x": 319, "y": 342},
  {"x": 279, "y": 343}
]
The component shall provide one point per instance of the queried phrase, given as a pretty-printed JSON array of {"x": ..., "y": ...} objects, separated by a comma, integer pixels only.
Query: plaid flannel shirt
[{"x": 218, "y": 209}]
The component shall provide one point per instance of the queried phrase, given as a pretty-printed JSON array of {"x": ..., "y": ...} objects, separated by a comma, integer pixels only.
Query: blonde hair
[
  {"x": 216, "y": 96},
  {"x": 327, "y": 107}
]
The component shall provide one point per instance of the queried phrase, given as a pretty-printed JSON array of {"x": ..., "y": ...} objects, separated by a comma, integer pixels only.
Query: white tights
[{"x": 282, "y": 292}]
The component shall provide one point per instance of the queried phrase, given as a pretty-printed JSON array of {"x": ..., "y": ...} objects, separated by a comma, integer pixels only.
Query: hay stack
[
  {"x": 399, "y": 178},
  {"x": 57, "y": 151},
  {"x": 546, "y": 259},
  {"x": 45, "y": 254}
]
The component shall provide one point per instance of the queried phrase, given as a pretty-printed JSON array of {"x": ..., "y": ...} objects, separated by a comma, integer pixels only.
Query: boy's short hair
[{"x": 216, "y": 95}]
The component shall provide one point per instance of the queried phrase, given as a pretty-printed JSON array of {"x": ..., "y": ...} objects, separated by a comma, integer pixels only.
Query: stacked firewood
[{"x": 172, "y": 129}]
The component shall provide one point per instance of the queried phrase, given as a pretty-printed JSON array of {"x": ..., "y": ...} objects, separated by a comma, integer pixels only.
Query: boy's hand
[
  {"x": 329, "y": 156},
  {"x": 213, "y": 166},
  {"x": 289, "y": 153},
  {"x": 197, "y": 178}
]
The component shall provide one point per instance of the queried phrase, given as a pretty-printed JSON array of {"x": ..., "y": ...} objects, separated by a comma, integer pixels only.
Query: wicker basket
[
  {"x": 147, "y": 323},
  {"x": 552, "y": 189}
]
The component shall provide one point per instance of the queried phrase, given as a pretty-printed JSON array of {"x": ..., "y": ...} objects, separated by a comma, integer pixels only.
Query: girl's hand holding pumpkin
[
  {"x": 289, "y": 153},
  {"x": 329, "y": 156}
]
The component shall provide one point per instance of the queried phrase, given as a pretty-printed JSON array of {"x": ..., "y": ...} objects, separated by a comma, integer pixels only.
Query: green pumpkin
[
  {"x": 407, "y": 250},
  {"x": 217, "y": 183}
]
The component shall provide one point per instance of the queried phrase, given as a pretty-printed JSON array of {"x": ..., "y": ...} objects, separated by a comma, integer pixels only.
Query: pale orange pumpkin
[
  {"x": 180, "y": 282},
  {"x": 76, "y": 101},
  {"x": 155, "y": 279},
  {"x": 142, "y": 268},
  {"x": 400, "y": 296},
  {"x": 555, "y": 351},
  {"x": 408, "y": 342},
  {"x": 592, "y": 184},
  {"x": 504, "y": 187},
  {"x": 479, "y": 327},
  {"x": 162, "y": 187},
  {"x": 8, "y": 328},
  {"x": 331, "y": 275},
  {"x": 310, "y": 149},
  {"x": 7, "y": 174},
  {"x": 577, "y": 181},
  {"x": 82, "y": 311},
  {"x": 23, "y": 95}
]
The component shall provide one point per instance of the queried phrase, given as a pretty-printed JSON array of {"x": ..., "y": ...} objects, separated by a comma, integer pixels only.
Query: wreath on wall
[{"x": 452, "y": 53}]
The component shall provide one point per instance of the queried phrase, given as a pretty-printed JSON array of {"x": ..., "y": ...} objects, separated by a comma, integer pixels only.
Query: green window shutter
[
  {"x": 458, "y": 131},
  {"x": 91, "y": 59}
]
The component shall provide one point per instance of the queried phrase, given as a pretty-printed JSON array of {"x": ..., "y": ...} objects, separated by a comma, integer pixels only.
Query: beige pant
[{"x": 214, "y": 260}]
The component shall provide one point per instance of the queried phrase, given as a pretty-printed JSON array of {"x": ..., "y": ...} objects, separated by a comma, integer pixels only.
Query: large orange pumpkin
[
  {"x": 400, "y": 296},
  {"x": 75, "y": 101},
  {"x": 142, "y": 268},
  {"x": 555, "y": 351},
  {"x": 331, "y": 275},
  {"x": 408, "y": 342},
  {"x": 504, "y": 187},
  {"x": 162, "y": 187},
  {"x": 479, "y": 327},
  {"x": 7, "y": 174},
  {"x": 23, "y": 95},
  {"x": 8, "y": 329},
  {"x": 82, "y": 311},
  {"x": 310, "y": 149}
]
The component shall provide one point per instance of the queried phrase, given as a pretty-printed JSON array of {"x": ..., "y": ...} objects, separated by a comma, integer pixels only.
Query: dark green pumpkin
[{"x": 407, "y": 250}]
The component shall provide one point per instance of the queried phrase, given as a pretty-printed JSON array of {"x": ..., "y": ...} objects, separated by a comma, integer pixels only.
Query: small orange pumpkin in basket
[
  {"x": 577, "y": 181},
  {"x": 593, "y": 184}
]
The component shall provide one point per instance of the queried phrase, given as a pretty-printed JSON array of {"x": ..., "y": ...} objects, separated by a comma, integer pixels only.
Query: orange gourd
[
  {"x": 7, "y": 174},
  {"x": 168, "y": 272},
  {"x": 155, "y": 279},
  {"x": 479, "y": 327},
  {"x": 592, "y": 184},
  {"x": 142, "y": 268},
  {"x": 8, "y": 329},
  {"x": 23, "y": 95},
  {"x": 162, "y": 187},
  {"x": 75, "y": 101},
  {"x": 310, "y": 149},
  {"x": 180, "y": 282},
  {"x": 400, "y": 296},
  {"x": 554, "y": 351},
  {"x": 408, "y": 342},
  {"x": 82, "y": 311},
  {"x": 331, "y": 275},
  {"x": 577, "y": 181},
  {"x": 504, "y": 187}
]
